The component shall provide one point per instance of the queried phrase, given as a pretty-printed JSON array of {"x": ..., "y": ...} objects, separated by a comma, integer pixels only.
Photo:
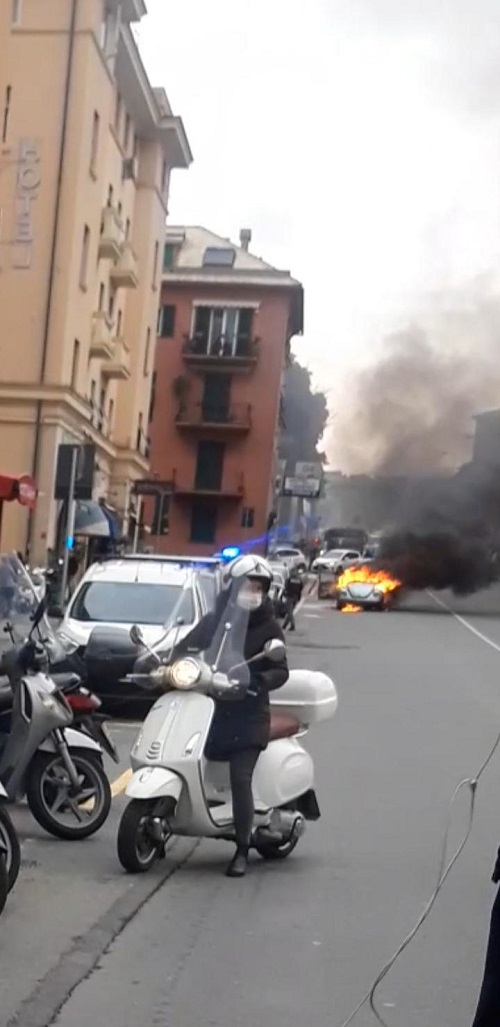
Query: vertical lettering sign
[{"x": 27, "y": 189}]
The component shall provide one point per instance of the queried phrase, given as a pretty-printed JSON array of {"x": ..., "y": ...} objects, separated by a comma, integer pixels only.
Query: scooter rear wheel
[
  {"x": 9, "y": 841},
  {"x": 138, "y": 850}
]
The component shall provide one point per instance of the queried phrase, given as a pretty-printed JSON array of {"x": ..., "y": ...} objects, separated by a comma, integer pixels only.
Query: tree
[{"x": 305, "y": 416}]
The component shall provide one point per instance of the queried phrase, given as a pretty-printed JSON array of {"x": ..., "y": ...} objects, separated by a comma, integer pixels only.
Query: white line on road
[{"x": 465, "y": 623}]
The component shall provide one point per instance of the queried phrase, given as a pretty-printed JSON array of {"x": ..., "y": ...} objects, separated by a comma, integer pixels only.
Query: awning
[
  {"x": 91, "y": 520},
  {"x": 21, "y": 489}
]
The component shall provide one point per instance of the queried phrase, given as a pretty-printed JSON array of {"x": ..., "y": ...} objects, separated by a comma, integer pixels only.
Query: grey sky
[{"x": 359, "y": 139}]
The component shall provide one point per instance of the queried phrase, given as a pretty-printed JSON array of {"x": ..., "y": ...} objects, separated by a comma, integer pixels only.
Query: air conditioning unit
[{"x": 130, "y": 169}]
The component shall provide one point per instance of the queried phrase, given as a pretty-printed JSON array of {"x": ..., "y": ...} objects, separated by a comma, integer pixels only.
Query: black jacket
[{"x": 243, "y": 723}]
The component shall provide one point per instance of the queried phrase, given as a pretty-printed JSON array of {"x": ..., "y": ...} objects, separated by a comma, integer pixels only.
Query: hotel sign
[{"x": 28, "y": 183}]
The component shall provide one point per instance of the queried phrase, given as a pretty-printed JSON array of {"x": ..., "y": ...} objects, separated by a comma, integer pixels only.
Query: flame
[
  {"x": 382, "y": 579},
  {"x": 350, "y": 608}
]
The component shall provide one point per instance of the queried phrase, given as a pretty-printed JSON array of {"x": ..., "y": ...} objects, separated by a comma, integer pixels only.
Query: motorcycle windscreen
[
  {"x": 220, "y": 636},
  {"x": 22, "y": 607}
]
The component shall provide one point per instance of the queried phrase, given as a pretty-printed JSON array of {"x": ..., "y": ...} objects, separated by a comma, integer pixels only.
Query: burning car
[{"x": 364, "y": 588}]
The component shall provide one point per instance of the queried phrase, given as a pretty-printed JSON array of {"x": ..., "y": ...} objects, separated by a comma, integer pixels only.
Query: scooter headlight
[{"x": 185, "y": 673}]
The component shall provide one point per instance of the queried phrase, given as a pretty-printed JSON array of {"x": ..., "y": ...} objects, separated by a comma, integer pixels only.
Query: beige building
[{"x": 86, "y": 151}]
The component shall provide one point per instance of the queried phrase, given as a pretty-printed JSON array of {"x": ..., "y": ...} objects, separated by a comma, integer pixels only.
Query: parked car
[
  {"x": 335, "y": 560},
  {"x": 114, "y": 595},
  {"x": 290, "y": 556}
]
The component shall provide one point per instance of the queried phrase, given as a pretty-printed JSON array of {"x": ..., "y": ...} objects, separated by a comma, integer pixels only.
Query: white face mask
[{"x": 249, "y": 600}]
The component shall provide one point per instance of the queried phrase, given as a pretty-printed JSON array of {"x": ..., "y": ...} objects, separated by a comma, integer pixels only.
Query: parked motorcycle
[
  {"x": 174, "y": 790},
  {"x": 42, "y": 756},
  {"x": 10, "y": 851}
]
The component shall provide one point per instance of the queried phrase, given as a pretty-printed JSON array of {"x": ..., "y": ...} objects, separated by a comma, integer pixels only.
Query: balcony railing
[
  {"x": 101, "y": 342},
  {"x": 234, "y": 418},
  {"x": 117, "y": 366},
  {"x": 230, "y": 351},
  {"x": 207, "y": 485},
  {"x": 125, "y": 273},
  {"x": 112, "y": 234}
]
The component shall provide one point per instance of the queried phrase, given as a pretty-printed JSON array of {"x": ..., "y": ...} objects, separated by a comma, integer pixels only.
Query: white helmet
[{"x": 248, "y": 566}]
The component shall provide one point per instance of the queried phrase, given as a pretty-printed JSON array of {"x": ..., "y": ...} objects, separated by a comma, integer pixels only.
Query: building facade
[
  {"x": 86, "y": 151},
  {"x": 225, "y": 323}
]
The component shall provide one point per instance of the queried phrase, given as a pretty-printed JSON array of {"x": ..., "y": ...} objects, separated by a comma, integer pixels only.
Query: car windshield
[
  {"x": 123, "y": 602},
  {"x": 334, "y": 554}
]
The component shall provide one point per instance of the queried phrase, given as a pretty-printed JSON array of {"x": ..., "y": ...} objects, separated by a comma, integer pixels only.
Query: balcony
[
  {"x": 112, "y": 235},
  {"x": 101, "y": 341},
  {"x": 117, "y": 365},
  {"x": 125, "y": 273},
  {"x": 235, "y": 419},
  {"x": 239, "y": 354},
  {"x": 230, "y": 487}
]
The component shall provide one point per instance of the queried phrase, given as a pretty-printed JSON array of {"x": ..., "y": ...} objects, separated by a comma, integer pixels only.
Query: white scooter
[{"x": 175, "y": 790}]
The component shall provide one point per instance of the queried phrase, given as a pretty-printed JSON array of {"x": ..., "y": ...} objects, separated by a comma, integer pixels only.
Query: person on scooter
[{"x": 240, "y": 729}]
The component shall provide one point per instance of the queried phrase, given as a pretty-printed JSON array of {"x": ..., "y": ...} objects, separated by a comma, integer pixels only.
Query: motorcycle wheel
[
  {"x": 137, "y": 850},
  {"x": 276, "y": 850},
  {"x": 9, "y": 841},
  {"x": 4, "y": 882},
  {"x": 48, "y": 792}
]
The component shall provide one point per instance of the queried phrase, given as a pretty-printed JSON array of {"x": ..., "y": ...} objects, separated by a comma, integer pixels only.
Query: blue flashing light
[
  {"x": 230, "y": 552},
  {"x": 70, "y": 542}
]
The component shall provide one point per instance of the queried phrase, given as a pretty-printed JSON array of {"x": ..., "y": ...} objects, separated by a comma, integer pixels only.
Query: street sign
[{"x": 308, "y": 488}]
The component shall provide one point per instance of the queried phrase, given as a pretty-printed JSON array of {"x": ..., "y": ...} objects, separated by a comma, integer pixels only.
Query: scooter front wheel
[
  {"x": 53, "y": 801},
  {"x": 10, "y": 848},
  {"x": 138, "y": 848}
]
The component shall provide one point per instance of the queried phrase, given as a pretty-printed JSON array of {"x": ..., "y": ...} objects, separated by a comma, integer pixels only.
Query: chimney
[{"x": 245, "y": 237}]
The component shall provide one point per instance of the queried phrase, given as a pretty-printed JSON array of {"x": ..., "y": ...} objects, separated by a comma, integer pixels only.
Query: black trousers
[
  {"x": 289, "y": 619},
  {"x": 488, "y": 1010},
  {"x": 241, "y": 767}
]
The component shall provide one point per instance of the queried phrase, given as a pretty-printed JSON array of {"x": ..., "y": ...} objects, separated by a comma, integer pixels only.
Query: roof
[
  {"x": 142, "y": 571},
  {"x": 194, "y": 241}
]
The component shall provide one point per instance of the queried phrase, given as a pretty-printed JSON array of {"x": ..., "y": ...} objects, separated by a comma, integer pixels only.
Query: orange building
[{"x": 225, "y": 323}]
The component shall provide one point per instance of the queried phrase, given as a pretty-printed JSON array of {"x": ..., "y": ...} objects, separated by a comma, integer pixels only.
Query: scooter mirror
[
  {"x": 275, "y": 650},
  {"x": 136, "y": 635}
]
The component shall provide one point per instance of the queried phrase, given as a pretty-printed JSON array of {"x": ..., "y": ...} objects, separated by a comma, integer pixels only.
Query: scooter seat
[
  {"x": 283, "y": 725},
  {"x": 66, "y": 679}
]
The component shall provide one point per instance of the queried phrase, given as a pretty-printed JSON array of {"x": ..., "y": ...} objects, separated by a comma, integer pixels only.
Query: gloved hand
[{"x": 227, "y": 689}]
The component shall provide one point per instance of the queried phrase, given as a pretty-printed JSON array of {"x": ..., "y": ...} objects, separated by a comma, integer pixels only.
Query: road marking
[
  {"x": 465, "y": 623},
  {"x": 119, "y": 786}
]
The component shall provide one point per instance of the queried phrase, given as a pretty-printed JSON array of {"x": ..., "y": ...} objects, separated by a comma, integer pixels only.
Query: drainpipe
[{"x": 52, "y": 262}]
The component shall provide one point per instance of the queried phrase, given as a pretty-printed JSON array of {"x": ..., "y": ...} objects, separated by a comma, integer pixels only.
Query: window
[
  {"x": 102, "y": 410},
  {"x": 118, "y": 112},
  {"x": 146, "y": 351},
  {"x": 75, "y": 363},
  {"x": 126, "y": 133},
  {"x": 138, "y": 444},
  {"x": 84, "y": 260},
  {"x": 166, "y": 322},
  {"x": 168, "y": 256},
  {"x": 209, "y": 466},
  {"x": 119, "y": 208},
  {"x": 203, "y": 522},
  {"x": 94, "y": 143},
  {"x": 217, "y": 256},
  {"x": 247, "y": 517},
  {"x": 155, "y": 264},
  {"x": 127, "y": 228},
  {"x": 131, "y": 602},
  {"x": 208, "y": 588},
  {"x": 15, "y": 15},
  {"x": 160, "y": 523},
  {"x": 102, "y": 295},
  {"x": 152, "y": 398},
  {"x": 6, "y": 113},
  {"x": 111, "y": 415},
  {"x": 119, "y": 324},
  {"x": 164, "y": 176},
  {"x": 223, "y": 331},
  {"x": 110, "y": 196},
  {"x": 111, "y": 303}
]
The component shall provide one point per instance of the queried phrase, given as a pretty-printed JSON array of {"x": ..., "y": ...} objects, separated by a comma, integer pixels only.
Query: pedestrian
[
  {"x": 293, "y": 594},
  {"x": 488, "y": 1009}
]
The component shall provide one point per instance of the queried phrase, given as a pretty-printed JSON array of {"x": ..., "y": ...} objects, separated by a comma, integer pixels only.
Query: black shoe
[{"x": 238, "y": 864}]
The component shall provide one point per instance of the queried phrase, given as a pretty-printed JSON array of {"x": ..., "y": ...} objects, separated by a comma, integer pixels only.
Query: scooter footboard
[{"x": 154, "y": 783}]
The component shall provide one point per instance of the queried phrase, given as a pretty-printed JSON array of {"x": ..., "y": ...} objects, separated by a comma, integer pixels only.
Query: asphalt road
[{"x": 297, "y": 942}]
